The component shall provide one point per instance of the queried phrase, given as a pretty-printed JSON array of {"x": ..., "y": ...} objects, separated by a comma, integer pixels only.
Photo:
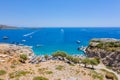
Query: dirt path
[{"x": 101, "y": 66}]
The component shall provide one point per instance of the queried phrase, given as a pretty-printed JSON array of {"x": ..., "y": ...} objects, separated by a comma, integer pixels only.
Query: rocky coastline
[
  {"x": 9, "y": 50},
  {"x": 108, "y": 50}
]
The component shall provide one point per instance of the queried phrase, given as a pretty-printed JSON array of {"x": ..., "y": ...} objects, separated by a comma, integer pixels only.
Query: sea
[{"x": 49, "y": 40}]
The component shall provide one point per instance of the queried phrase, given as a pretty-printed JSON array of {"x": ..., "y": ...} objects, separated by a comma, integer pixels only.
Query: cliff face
[{"x": 108, "y": 50}]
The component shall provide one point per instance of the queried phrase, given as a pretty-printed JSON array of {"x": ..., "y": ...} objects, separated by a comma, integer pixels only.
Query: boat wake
[{"x": 29, "y": 33}]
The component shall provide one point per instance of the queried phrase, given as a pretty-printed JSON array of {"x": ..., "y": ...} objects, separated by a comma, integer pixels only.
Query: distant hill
[{"x": 7, "y": 27}]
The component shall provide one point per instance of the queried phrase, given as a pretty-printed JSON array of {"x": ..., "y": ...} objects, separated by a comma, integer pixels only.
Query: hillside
[
  {"x": 108, "y": 50},
  {"x": 7, "y": 27}
]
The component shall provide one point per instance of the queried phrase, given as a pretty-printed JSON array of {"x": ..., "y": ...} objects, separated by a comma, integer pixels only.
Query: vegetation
[
  {"x": 18, "y": 74},
  {"x": 85, "y": 61},
  {"x": 109, "y": 46},
  {"x": 1, "y": 79},
  {"x": 73, "y": 59},
  {"x": 60, "y": 67},
  {"x": 40, "y": 78},
  {"x": 96, "y": 75},
  {"x": 109, "y": 75},
  {"x": 46, "y": 57},
  {"x": 59, "y": 53},
  {"x": 23, "y": 58},
  {"x": 42, "y": 70},
  {"x": 12, "y": 66},
  {"x": 2, "y": 72},
  {"x": 48, "y": 72},
  {"x": 93, "y": 61},
  {"x": 64, "y": 54},
  {"x": 109, "y": 67}
]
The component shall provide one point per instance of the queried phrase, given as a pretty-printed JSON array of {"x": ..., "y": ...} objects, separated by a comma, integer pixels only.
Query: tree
[
  {"x": 86, "y": 61},
  {"x": 93, "y": 62},
  {"x": 46, "y": 57},
  {"x": 59, "y": 53}
]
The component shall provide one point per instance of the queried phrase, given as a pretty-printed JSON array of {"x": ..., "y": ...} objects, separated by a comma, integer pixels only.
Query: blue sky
[{"x": 60, "y": 13}]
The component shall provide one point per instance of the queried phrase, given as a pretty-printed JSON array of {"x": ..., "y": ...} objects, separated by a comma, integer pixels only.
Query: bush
[
  {"x": 76, "y": 60},
  {"x": 60, "y": 67},
  {"x": 46, "y": 56},
  {"x": 93, "y": 62},
  {"x": 59, "y": 53},
  {"x": 23, "y": 56},
  {"x": 12, "y": 66},
  {"x": 18, "y": 74},
  {"x": 86, "y": 61},
  {"x": 40, "y": 78},
  {"x": 97, "y": 59},
  {"x": 2, "y": 72},
  {"x": 73, "y": 59},
  {"x": 1, "y": 79},
  {"x": 96, "y": 75},
  {"x": 70, "y": 58},
  {"x": 48, "y": 72}
]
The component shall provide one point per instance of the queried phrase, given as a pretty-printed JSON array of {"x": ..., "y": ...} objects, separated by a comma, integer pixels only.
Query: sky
[{"x": 60, "y": 13}]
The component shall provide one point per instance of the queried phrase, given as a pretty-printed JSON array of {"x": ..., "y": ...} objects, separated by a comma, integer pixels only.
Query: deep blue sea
[{"x": 49, "y": 40}]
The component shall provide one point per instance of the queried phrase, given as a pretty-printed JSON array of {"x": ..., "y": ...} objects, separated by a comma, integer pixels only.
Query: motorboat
[
  {"x": 78, "y": 41},
  {"x": 5, "y": 37}
]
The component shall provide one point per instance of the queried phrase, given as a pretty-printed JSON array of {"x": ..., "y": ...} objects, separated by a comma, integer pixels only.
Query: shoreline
[{"x": 46, "y": 62}]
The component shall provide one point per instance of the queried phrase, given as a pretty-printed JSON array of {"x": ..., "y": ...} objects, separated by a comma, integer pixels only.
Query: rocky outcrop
[
  {"x": 107, "y": 49},
  {"x": 11, "y": 50}
]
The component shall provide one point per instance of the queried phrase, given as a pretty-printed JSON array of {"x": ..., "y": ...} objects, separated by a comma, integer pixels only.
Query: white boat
[
  {"x": 78, "y": 41},
  {"x": 23, "y": 40},
  {"x": 38, "y": 45},
  {"x": 5, "y": 37}
]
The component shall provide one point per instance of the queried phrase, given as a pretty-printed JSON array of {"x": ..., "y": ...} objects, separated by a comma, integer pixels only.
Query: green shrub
[
  {"x": 70, "y": 58},
  {"x": 23, "y": 56},
  {"x": 46, "y": 56},
  {"x": 60, "y": 67},
  {"x": 59, "y": 53},
  {"x": 2, "y": 72},
  {"x": 100, "y": 45},
  {"x": 18, "y": 74},
  {"x": 93, "y": 62},
  {"x": 40, "y": 78},
  {"x": 96, "y": 75},
  {"x": 86, "y": 61},
  {"x": 48, "y": 72},
  {"x": 12, "y": 66},
  {"x": 73, "y": 59},
  {"x": 76, "y": 60}
]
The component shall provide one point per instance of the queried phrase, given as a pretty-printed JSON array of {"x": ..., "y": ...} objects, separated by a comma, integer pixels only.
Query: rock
[
  {"x": 11, "y": 49},
  {"x": 107, "y": 49}
]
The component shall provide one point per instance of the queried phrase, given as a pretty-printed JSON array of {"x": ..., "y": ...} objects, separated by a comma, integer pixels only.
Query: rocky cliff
[{"x": 107, "y": 49}]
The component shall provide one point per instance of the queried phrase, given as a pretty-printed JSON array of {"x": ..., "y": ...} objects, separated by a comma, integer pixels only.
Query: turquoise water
[{"x": 49, "y": 40}]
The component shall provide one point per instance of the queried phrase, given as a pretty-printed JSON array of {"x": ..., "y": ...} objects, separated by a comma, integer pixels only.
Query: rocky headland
[
  {"x": 10, "y": 50},
  {"x": 108, "y": 50}
]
